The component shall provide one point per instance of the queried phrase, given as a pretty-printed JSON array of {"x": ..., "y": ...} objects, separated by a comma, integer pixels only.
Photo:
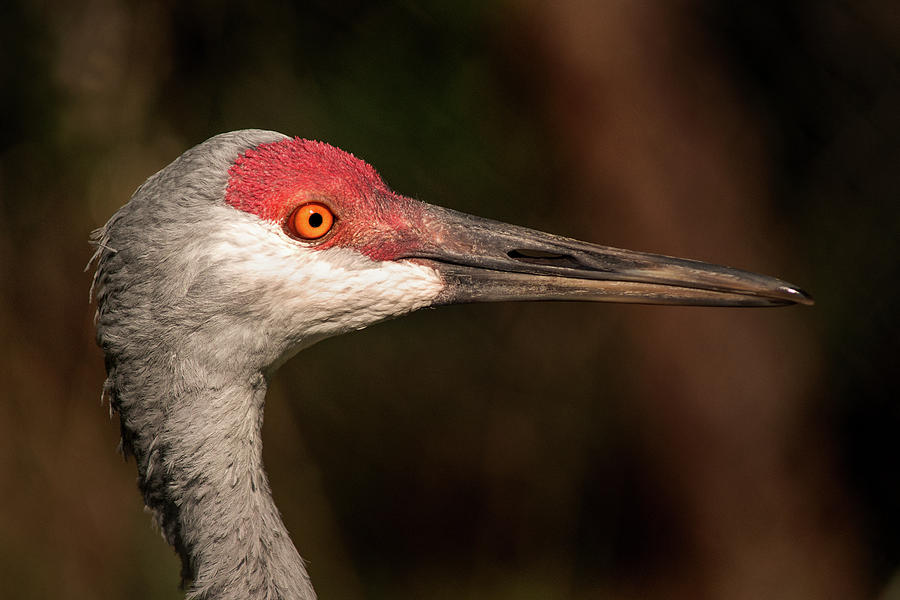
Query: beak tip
[{"x": 797, "y": 295}]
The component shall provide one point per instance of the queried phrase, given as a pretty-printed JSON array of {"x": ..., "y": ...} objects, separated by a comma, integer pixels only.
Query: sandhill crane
[{"x": 252, "y": 246}]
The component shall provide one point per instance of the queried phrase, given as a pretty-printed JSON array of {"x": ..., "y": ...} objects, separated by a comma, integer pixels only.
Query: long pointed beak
[{"x": 482, "y": 260}]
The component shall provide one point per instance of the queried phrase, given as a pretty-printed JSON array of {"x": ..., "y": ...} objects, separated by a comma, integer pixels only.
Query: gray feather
[{"x": 189, "y": 401}]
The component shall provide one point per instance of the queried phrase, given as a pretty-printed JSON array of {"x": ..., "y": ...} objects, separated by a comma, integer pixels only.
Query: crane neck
[{"x": 198, "y": 446}]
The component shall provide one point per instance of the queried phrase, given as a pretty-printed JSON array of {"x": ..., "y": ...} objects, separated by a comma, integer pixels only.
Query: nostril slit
[
  {"x": 542, "y": 257},
  {"x": 517, "y": 254}
]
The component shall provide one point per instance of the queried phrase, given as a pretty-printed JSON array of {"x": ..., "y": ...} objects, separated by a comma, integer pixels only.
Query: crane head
[
  {"x": 263, "y": 243},
  {"x": 251, "y": 246}
]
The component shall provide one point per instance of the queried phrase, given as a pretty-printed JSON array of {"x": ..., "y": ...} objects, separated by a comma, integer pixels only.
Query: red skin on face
[{"x": 271, "y": 180}]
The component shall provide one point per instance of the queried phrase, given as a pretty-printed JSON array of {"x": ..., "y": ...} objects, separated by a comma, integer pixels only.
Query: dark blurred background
[{"x": 494, "y": 451}]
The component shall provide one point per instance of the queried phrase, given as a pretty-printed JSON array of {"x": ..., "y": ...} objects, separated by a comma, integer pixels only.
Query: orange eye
[{"x": 311, "y": 221}]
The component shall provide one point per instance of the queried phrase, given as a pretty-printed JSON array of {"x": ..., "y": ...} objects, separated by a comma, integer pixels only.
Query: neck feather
[{"x": 197, "y": 441}]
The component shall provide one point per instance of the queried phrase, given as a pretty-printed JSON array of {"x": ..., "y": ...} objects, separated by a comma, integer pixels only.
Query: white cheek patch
[{"x": 319, "y": 293}]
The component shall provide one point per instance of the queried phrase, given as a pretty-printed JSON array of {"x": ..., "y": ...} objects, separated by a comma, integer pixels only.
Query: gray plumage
[
  {"x": 188, "y": 389},
  {"x": 199, "y": 301}
]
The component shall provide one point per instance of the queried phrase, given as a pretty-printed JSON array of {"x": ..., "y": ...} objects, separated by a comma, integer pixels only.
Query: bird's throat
[{"x": 200, "y": 470}]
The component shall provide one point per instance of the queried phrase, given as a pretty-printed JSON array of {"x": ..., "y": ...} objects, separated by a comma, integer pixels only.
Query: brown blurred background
[{"x": 496, "y": 451}]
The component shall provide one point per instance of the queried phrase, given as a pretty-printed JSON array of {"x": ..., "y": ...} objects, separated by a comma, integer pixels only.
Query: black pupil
[{"x": 315, "y": 220}]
